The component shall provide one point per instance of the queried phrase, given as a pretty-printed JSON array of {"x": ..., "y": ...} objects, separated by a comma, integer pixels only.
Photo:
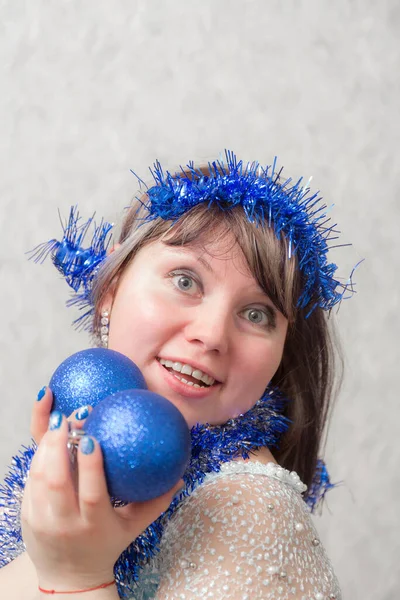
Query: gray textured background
[{"x": 92, "y": 89}]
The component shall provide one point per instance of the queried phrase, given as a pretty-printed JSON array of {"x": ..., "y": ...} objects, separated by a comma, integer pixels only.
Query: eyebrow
[
  {"x": 197, "y": 257},
  {"x": 256, "y": 290},
  {"x": 205, "y": 264}
]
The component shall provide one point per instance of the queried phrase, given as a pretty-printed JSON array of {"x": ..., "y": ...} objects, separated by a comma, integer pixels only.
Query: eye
[
  {"x": 184, "y": 282},
  {"x": 263, "y": 317}
]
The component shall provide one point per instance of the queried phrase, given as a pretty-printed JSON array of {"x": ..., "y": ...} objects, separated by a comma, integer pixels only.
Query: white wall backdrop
[{"x": 92, "y": 89}]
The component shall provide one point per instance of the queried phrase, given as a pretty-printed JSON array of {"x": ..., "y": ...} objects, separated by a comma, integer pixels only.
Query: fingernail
[
  {"x": 41, "y": 393},
  {"x": 82, "y": 413},
  {"x": 55, "y": 420},
  {"x": 86, "y": 445}
]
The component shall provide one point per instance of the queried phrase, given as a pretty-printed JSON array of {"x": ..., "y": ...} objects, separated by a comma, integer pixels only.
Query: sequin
[
  {"x": 231, "y": 567},
  {"x": 316, "y": 542}
]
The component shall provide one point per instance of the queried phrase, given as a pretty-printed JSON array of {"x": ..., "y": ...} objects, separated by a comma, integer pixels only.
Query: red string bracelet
[{"x": 98, "y": 587}]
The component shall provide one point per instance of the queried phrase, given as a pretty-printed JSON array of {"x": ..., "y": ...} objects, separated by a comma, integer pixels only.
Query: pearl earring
[{"x": 105, "y": 324}]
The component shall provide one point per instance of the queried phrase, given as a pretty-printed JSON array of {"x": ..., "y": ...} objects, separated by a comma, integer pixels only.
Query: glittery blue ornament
[
  {"x": 89, "y": 376},
  {"x": 145, "y": 443},
  {"x": 212, "y": 446}
]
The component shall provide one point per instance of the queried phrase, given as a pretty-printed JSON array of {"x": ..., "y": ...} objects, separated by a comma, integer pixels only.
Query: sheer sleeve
[{"x": 242, "y": 536}]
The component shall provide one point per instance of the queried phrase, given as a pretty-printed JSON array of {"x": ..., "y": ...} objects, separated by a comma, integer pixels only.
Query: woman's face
[{"x": 199, "y": 327}]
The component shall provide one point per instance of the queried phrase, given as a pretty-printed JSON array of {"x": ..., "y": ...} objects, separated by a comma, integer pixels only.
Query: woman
[{"x": 217, "y": 291}]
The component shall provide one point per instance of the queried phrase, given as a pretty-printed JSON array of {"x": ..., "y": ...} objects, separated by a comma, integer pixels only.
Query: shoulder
[
  {"x": 244, "y": 533},
  {"x": 246, "y": 492},
  {"x": 257, "y": 478}
]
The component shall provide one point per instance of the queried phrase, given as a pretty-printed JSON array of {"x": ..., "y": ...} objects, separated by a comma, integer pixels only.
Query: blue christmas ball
[
  {"x": 89, "y": 376},
  {"x": 145, "y": 442}
]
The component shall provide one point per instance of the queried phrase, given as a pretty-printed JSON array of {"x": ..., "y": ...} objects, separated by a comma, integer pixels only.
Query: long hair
[{"x": 305, "y": 374}]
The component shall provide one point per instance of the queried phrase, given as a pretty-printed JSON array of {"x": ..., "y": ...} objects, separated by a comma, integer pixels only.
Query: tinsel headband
[{"x": 267, "y": 200}]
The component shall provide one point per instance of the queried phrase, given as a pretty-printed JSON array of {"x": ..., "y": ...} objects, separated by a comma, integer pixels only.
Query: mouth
[{"x": 188, "y": 375}]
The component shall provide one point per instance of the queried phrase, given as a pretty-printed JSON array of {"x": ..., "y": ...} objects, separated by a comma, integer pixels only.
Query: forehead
[
  {"x": 220, "y": 258},
  {"x": 217, "y": 252},
  {"x": 256, "y": 251},
  {"x": 208, "y": 248}
]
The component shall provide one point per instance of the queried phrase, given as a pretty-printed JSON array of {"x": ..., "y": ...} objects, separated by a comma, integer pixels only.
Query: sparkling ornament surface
[
  {"x": 89, "y": 376},
  {"x": 145, "y": 442},
  {"x": 213, "y": 452}
]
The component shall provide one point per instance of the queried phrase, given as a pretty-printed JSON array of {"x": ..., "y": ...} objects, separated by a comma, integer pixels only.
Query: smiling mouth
[{"x": 187, "y": 374}]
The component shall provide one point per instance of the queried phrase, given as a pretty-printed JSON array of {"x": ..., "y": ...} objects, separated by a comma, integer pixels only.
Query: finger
[
  {"x": 94, "y": 500},
  {"x": 78, "y": 417},
  {"x": 57, "y": 480},
  {"x": 40, "y": 414}
]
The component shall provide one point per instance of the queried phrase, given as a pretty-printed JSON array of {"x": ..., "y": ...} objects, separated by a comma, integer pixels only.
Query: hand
[
  {"x": 72, "y": 536},
  {"x": 41, "y": 413}
]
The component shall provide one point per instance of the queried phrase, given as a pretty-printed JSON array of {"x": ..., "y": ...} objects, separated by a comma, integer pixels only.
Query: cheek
[
  {"x": 154, "y": 312},
  {"x": 275, "y": 358},
  {"x": 261, "y": 363},
  {"x": 140, "y": 319}
]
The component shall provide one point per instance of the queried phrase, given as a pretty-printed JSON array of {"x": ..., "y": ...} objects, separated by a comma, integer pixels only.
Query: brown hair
[{"x": 305, "y": 374}]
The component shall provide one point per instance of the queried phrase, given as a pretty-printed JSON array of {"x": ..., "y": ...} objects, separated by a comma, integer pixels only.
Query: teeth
[
  {"x": 187, "y": 382},
  {"x": 207, "y": 379},
  {"x": 186, "y": 369}
]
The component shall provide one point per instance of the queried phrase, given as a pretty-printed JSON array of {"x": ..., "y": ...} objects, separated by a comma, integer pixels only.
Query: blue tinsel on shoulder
[{"x": 262, "y": 426}]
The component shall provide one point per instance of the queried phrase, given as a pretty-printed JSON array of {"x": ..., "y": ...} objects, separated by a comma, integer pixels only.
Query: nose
[{"x": 210, "y": 327}]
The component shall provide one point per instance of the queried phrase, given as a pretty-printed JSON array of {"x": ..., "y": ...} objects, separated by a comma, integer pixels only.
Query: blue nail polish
[
  {"x": 82, "y": 413},
  {"x": 86, "y": 445},
  {"x": 55, "y": 420},
  {"x": 41, "y": 393}
]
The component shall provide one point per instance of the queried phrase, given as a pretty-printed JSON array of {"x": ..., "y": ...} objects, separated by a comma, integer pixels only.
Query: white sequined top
[{"x": 244, "y": 534}]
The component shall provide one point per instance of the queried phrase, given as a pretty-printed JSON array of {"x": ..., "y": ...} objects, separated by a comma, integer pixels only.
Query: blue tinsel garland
[
  {"x": 267, "y": 199},
  {"x": 261, "y": 426},
  {"x": 76, "y": 263}
]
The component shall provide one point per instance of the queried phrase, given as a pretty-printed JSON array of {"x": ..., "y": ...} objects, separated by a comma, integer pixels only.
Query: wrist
[
  {"x": 110, "y": 593},
  {"x": 84, "y": 588}
]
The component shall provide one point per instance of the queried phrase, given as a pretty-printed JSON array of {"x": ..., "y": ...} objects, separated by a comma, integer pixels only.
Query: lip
[
  {"x": 194, "y": 364},
  {"x": 182, "y": 388}
]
